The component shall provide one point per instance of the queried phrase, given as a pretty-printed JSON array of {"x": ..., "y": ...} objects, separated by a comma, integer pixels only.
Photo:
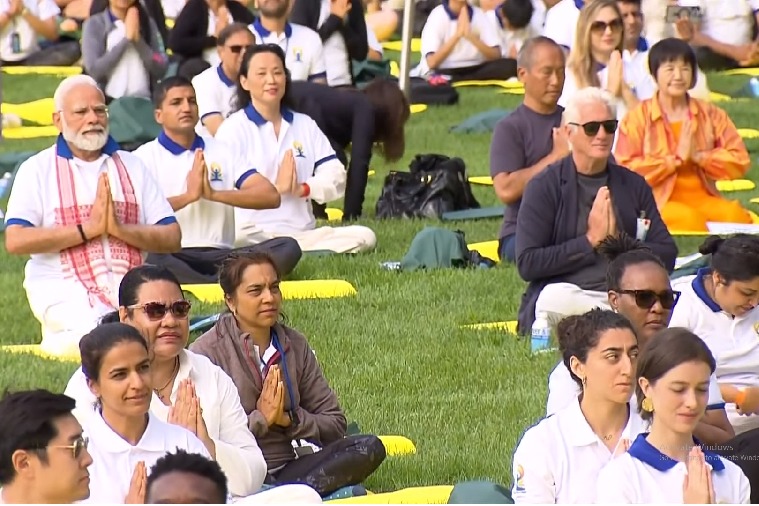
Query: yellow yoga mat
[
  {"x": 42, "y": 70},
  {"x": 438, "y": 494},
  {"x": 750, "y": 71},
  {"x": 718, "y": 97},
  {"x": 30, "y": 132},
  {"x": 306, "y": 289},
  {"x": 509, "y": 85},
  {"x": 736, "y": 185},
  {"x": 334, "y": 214},
  {"x": 397, "y": 45},
  {"x": 397, "y": 446},
  {"x": 38, "y": 111},
  {"x": 508, "y": 326},
  {"x": 748, "y": 133},
  {"x": 34, "y": 349},
  {"x": 395, "y": 70},
  {"x": 483, "y": 180},
  {"x": 512, "y": 91},
  {"x": 487, "y": 249},
  {"x": 417, "y": 108}
]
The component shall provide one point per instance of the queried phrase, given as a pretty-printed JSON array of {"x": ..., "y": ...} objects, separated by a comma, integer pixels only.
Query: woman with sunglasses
[
  {"x": 282, "y": 386},
  {"x": 596, "y": 58},
  {"x": 667, "y": 465},
  {"x": 682, "y": 145},
  {"x": 556, "y": 459},
  {"x": 639, "y": 289},
  {"x": 125, "y": 438},
  {"x": 151, "y": 300}
]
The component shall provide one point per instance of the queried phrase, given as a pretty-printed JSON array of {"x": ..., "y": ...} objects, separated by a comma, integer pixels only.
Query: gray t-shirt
[
  {"x": 591, "y": 277},
  {"x": 521, "y": 140}
]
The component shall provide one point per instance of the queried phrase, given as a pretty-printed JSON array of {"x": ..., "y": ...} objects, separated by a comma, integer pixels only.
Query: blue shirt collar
[
  {"x": 642, "y": 44},
  {"x": 259, "y": 120},
  {"x": 455, "y": 16},
  {"x": 579, "y": 4},
  {"x": 498, "y": 15},
  {"x": 223, "y": 77},
  {"x": 700, "y": 290},
  {"x": 174, "y": 148},
  {"x": 644, "y": 451},
  {"x": 263, "y": 32},
  {"x": 111, "y": 16},
  {"x": 62, "y": 147}
]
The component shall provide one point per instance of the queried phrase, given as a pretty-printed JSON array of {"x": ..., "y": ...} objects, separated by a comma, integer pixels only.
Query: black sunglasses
[
  {"x": 645, "y": 299},
  {"x": 591, "y": 128},
  {"x": 157, "y": 310},
  {"x": 80, "y": 444},
  {"x": 601, "y": 26},
  {"x": 236, "y": 49}
]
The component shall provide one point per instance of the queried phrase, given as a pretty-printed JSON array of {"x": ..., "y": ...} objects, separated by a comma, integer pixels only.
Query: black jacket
[
  {"x": 188, "y": 38},
  {"x": 547, "y": 245}
]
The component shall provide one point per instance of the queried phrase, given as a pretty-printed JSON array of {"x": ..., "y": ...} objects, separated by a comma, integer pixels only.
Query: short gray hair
[
  {"x": 586, "y": 96},
  {"x": 527, "y": 51},
  {"x": 69, "y": 84}
]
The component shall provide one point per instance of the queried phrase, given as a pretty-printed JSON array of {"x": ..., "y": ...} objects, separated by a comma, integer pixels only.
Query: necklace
[{"x": 171, "y": 380}]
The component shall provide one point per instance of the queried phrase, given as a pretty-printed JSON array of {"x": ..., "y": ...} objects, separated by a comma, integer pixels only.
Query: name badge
[{"x": 641, "y": 229}]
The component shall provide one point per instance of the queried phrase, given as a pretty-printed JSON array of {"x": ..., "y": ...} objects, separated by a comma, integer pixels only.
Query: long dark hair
[
  {"x": 242, "y": 96},
  {"x": 391, "y": 111}
]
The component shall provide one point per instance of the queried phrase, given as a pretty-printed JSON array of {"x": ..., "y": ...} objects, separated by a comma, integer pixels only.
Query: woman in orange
[{"x": 682, "y": 145}]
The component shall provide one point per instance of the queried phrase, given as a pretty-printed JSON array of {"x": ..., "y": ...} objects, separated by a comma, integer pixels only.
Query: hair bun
[
  {"x": 711, "y": 244},
  {"x": 614, "y": 246}
]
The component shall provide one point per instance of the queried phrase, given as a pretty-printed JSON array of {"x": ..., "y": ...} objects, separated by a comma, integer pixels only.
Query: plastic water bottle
[
  {"x": 754, "y": 86},
  {"x": 541, "y": 334},
  {"x": 5, "y": 184}
]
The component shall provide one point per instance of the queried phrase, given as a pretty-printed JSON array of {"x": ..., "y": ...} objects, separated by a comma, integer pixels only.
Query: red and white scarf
[{"x": 99, "y": 271}]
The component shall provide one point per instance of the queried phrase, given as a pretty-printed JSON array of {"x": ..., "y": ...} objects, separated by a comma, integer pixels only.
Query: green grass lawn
[{"x": 395, "y": 354}]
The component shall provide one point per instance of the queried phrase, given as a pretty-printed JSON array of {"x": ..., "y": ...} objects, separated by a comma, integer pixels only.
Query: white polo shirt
[
  {"x": 114, "y": 459},
  {"x": 558, "y": 459},
  {"x": 129, "y": 77},
  {"x": 509, "y": 38},
  {"x": 34, "y": 202},
  {"x": 215, "y": 94},
  {"x": 335, "y": 52},
  {"x": 20, "y": 31},
  {"x": 563, "y": 390},
  {"x": 248, "y": 134},
  {"x": 734, "y": 342},
  {"x": 442, "y": 24},
  {"x": 211, "y": 54},
  {"x": 237, "y": 451},
  {"x": 726, "y": 21},
  {"x": 644, "y": 475},
  {"x": 561, "y": 22},
  {"x": 204, "y": 224},
  {"x": 304, "y": 54}
]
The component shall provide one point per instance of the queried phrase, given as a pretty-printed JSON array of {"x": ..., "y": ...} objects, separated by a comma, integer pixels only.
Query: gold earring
[
  {"x": 584, "y": 381},
  {"x": 647, "y": 405}
]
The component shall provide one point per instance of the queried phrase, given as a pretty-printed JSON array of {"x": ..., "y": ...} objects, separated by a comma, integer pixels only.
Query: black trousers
[
  {"x": 500, "y": 69},
  {"x": 201, "y": 265},
  {"x": 743, "y": 451},
  {"x": 60, "y": 54},
  {"x": 348, "y": 461}
]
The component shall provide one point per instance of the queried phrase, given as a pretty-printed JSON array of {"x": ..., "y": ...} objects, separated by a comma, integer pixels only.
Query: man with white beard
[{"x": 86, "y": 212}]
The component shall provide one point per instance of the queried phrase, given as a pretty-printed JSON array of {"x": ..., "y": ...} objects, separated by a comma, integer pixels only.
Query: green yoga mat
[{"x": 474, "y": 214}]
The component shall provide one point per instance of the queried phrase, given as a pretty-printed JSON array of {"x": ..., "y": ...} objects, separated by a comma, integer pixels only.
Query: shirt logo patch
[
  {"x": 519, "y": 479},
  {"x": 216, "y": 175},
  {"x": 298, "y": 54},
  {"x": 298, "y": 148}
]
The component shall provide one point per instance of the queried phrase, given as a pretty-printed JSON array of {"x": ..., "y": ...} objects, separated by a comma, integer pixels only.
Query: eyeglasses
[
  {"x": 591, "y": 128},
  {"x": 157, "y": 310},
  {"x": 80, "y": 444},
  {"x": 600, "y": 26},
  {"x": 645, "y": 299}
]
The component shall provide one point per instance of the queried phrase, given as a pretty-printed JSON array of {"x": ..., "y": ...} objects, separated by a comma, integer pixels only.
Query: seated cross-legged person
[
  {"x": 682, "y": 145},
  {"x": 44, "y": 456},
  {"x": 571, "y": 207},
  {"x": 458, "y": 40},
  {"x": 215, "y": 87},
  {"x": 85, "y": 211},
  {"x": 512, "y": 23},
  {"x": 289, "y": 149},
  {"x": 122, "y": 50},
  {"x": 282, "y": 387},
  {"x": 529, "y": 139},
  {"x": 204, "y": 185},
  {"x": 556, "y": 459}
]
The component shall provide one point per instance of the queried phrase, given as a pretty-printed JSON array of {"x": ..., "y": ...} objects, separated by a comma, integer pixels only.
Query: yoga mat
[
  {"x": 334, "y": 214},
  {"x": 483, "y": 180},
  {"x": 735, "y": 185},
  {"x": 512, "y": 91},
  {"x": 306, "y": 289},
  {"x": 749, "y": 71},
  {"x": 38, "y": 111},
  {"x": 397, "y": 446},
  {"x": 748, "y": 133},
  {"x": 395, "y": 70},
  {"x": 508, "y": 326},
  {"x": 43, "y": 70},
  {"x": 30, "y": 132},
  {"x": 719, "y": 97},
  {"x": 473, "y": 214},
  {"x": 487, "y": 249},
  {"x": 508, "y": 85},
  {"x": 397, "y": 45},
  {"x": 34, "y": 349},
  {"x": 438, "y": 494},
  {"x": 417, "y": 108}
]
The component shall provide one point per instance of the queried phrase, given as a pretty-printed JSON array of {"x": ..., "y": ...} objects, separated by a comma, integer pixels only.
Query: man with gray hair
[
  {"x": 570, "y": 208},
  {"x": 86, "y": 212},
  {"x": 529, "y": 139}
]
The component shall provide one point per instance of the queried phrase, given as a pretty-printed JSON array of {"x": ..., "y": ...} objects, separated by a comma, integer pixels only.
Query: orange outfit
[{"x": 686, "y": 196}]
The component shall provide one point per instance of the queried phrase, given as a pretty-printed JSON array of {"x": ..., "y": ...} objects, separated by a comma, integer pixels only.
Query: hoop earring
[{"x": 647, "y": 405}]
